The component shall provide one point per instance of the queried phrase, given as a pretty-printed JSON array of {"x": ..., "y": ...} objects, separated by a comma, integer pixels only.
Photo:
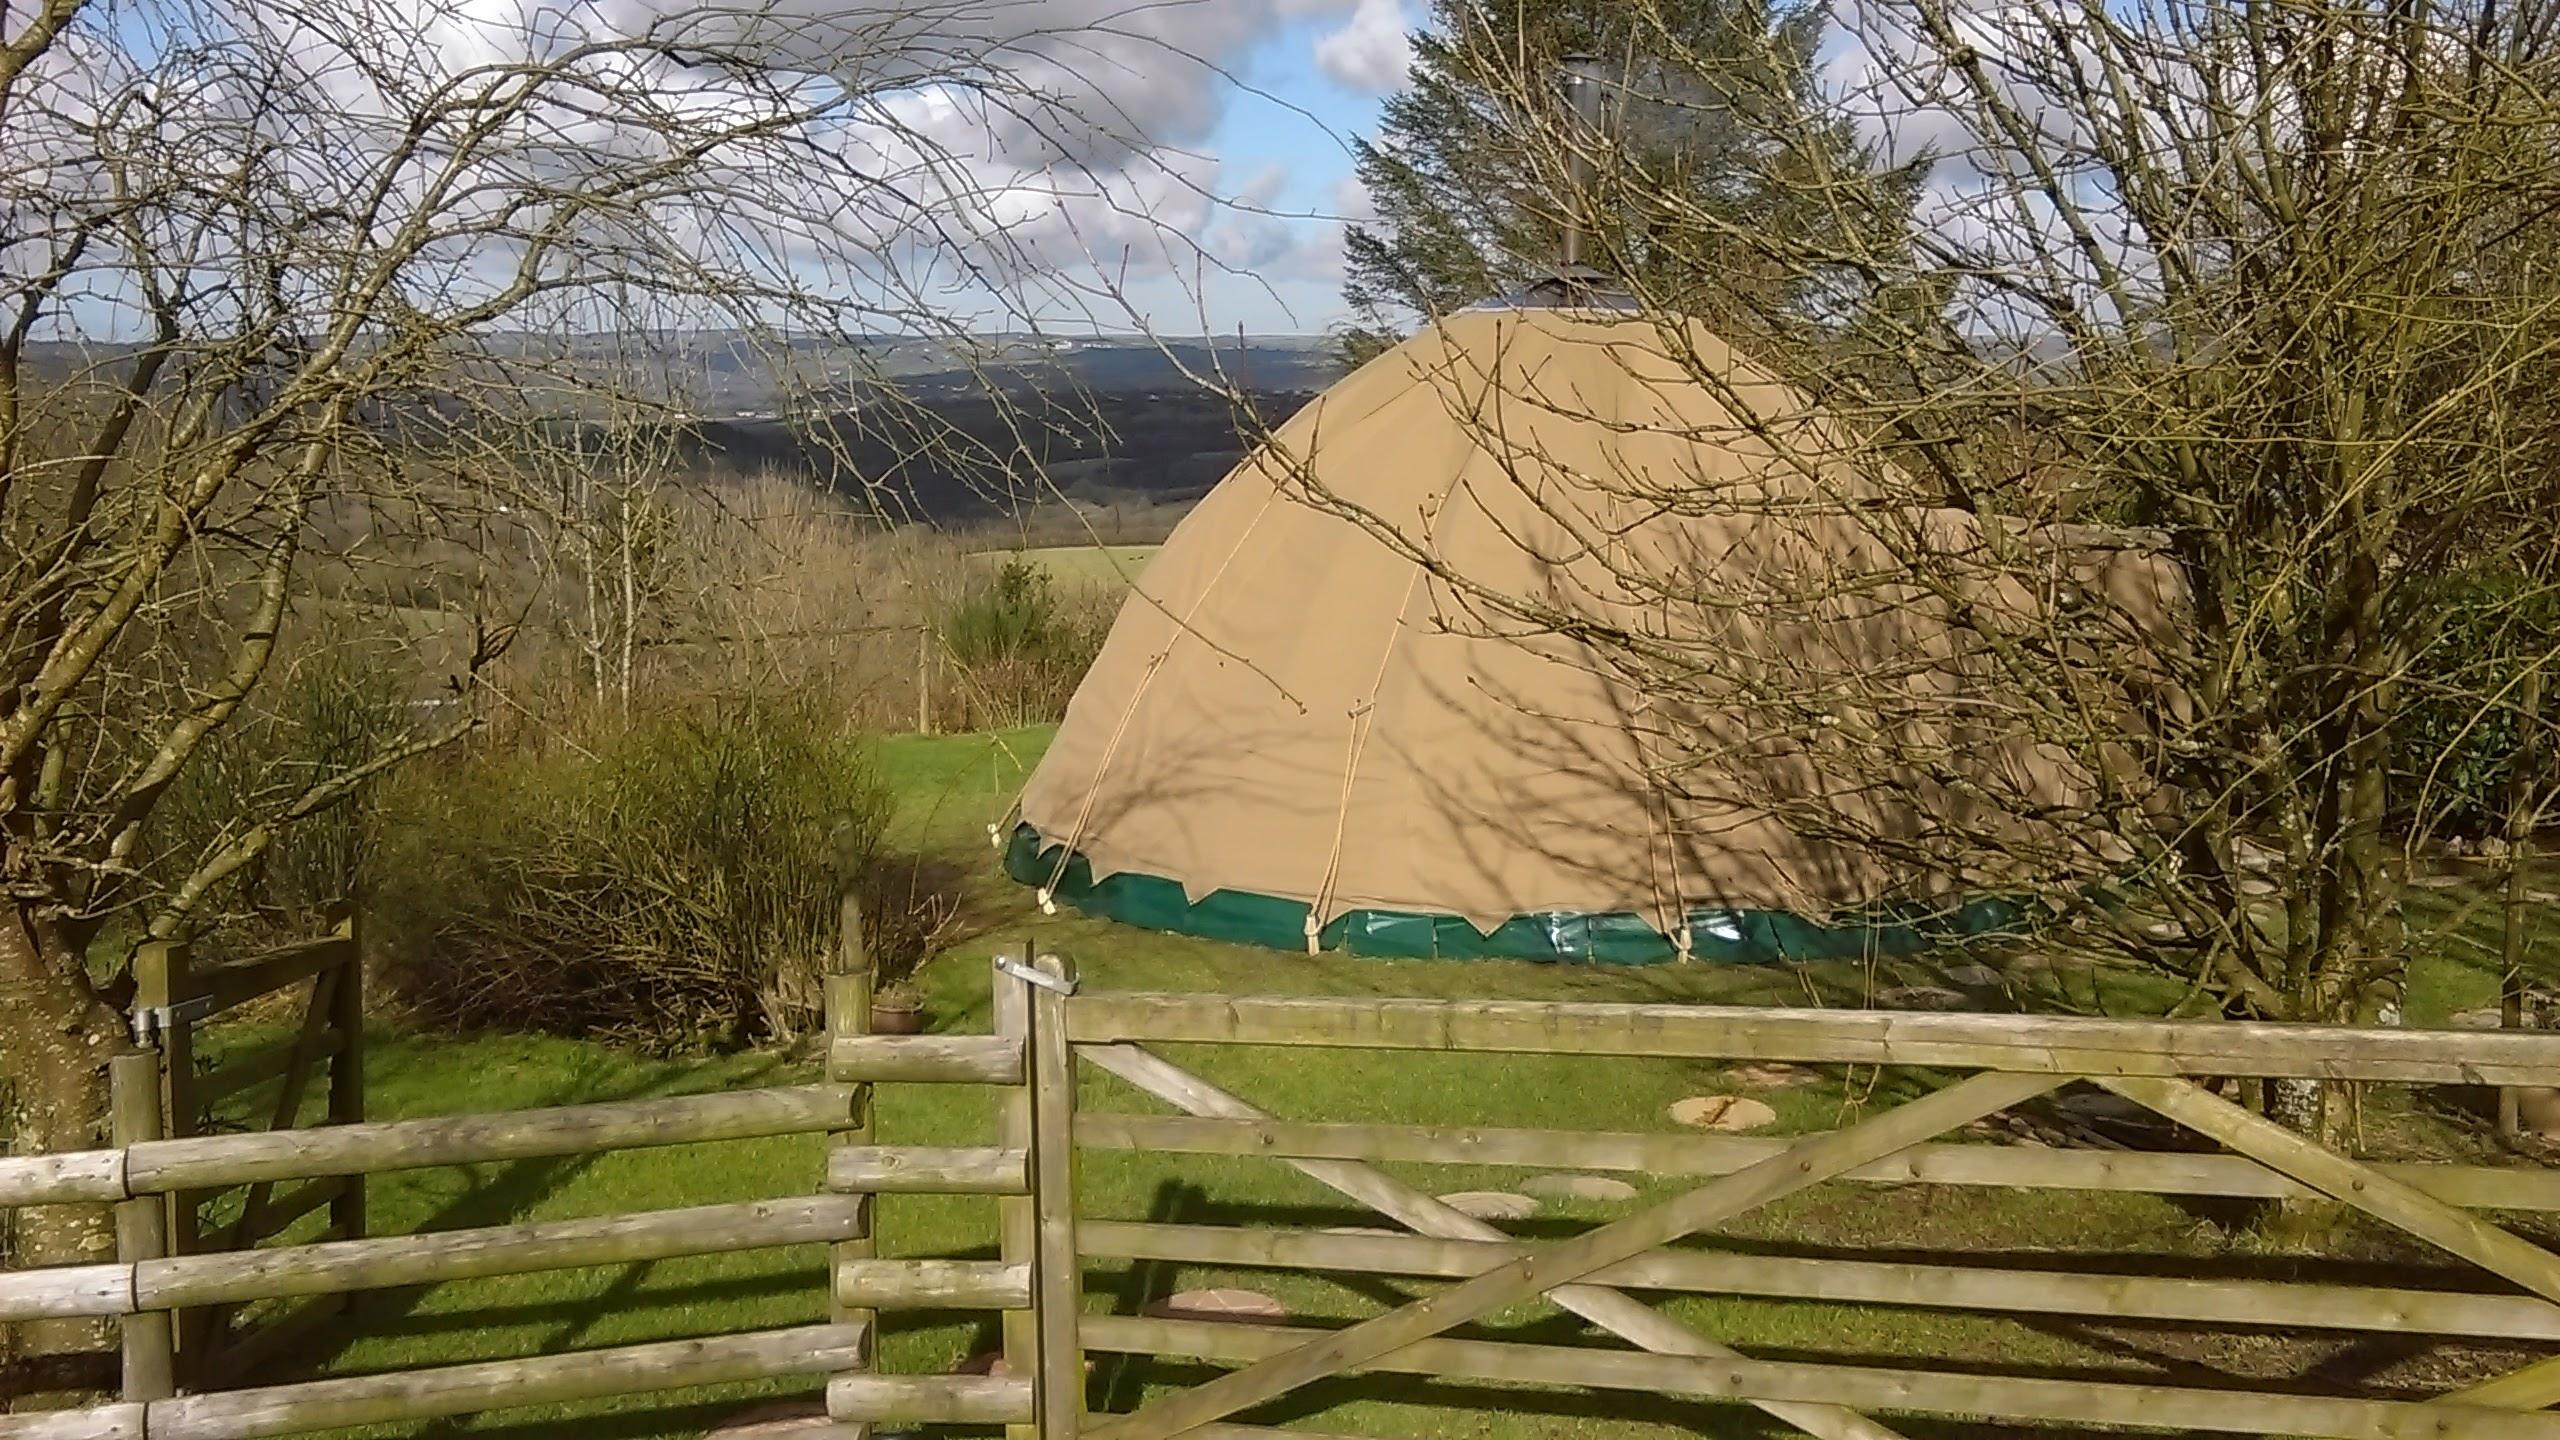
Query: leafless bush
[{"x": 671, "y": 881}]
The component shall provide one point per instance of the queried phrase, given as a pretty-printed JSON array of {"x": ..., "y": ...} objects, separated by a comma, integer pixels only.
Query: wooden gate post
[
  {"x": 142, "y": 1227},
  {"x": 346, "y": 1067},
  {"x": 162, "y": 988},
  {"x": 848, "y": 984},
  {"x": 1017, "y": 1222},
  {"x": 1057, "y": 1281}
]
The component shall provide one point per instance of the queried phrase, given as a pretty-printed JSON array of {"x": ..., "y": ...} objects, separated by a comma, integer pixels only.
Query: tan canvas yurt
[{"x": 1344, "y": 706}]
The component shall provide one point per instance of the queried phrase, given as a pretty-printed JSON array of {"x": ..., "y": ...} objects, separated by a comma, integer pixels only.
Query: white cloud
[
  {"x": 1047, "y": 146},
  {"x": 1372, "y": 51}
]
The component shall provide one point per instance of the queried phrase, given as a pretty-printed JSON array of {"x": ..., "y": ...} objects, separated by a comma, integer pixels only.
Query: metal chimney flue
[{"x": 1584, "y": 89}]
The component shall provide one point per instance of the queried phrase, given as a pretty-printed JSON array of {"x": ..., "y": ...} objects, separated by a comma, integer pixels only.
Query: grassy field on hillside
[
  {"x": 1113, "y": 565},
  {"x": 950, "y": 789}
]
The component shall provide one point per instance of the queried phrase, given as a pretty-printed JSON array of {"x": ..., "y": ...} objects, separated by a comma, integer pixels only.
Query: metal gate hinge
[
  {"x": 1029, "y": 976},
  {"x": 152, "y": 1021}
]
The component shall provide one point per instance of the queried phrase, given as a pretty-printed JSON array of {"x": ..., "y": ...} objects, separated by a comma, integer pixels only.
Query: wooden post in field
[
  {"x": 346, "y": 1068},
  {"x": 142, "y": 1227},
  {"x": 1017, "y": 1223},
  {"x": 1057, "y": 1280},
  {"x": 848, "y": 1013},
  {"x": 2520, "y": 808},
  {"x": 924, "y": 679},
  {"x": 161, "y": 984}
]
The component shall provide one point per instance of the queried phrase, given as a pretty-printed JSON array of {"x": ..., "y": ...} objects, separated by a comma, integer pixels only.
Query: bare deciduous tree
[
  {"x": 2218, "y": 344},
  {"x": 325, "y": 279}
]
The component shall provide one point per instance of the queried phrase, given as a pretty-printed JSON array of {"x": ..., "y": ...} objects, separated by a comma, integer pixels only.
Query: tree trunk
[{"x": 56, "y": 1036}]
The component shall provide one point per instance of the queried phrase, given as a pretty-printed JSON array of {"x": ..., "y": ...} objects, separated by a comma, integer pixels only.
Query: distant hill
[
  {"x": 733, "y": 374},
  {"x": 945, "y": 430},
  {"x": 969, "y": 456}
]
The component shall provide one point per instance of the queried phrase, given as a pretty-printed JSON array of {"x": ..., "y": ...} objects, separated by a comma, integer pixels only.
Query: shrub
[
  {"x": 1019, "y": 647},
  {"x": 2455, "y": 743},
  {"x": 673, "y": 885}
]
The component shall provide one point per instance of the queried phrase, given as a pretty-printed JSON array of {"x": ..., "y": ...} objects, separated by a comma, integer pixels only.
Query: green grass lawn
[
  {"x": 949, "y": 790},
  {"x": 1112, "y": 565}
]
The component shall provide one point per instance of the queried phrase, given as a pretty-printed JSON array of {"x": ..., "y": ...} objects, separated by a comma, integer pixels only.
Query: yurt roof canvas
[{"x": 1322, "y": 718}]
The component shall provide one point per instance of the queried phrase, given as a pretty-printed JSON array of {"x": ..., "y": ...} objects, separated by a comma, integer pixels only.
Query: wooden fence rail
[
  {"x": 2017, "y": 1044},
  {"x": 149, "y": 1282},
  {"x": 1463, "y": 1268},
  {"x": 161, "y": 1166}
]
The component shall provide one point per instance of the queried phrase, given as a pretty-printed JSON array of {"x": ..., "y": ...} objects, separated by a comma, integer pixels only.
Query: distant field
[{"x": 1082, "y": 564}]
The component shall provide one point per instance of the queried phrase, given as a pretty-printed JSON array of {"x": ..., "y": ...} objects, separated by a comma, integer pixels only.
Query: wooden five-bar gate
[
  {"x": 1978, "y": 1066},
  {"x": 1049, "y": 1034}
]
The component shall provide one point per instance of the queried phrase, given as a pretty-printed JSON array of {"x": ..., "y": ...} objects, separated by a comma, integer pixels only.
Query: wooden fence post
[
  {"x": 1057, "y": 1281},
  {"x": 2521, "y": 792},
  {"x": 924, "y": 679},
  {"x": 346, "y": 1068},
  {"x": 161, "y": 985},
  {"x": 142, "y": 1226},
  {"x": 848, "y": 985},
  {"x": 1017, "y": 1222}
]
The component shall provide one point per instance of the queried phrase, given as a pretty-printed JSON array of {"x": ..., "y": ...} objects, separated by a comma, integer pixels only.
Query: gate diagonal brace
[
  {"x": 1610, "y": 1309},
  {"x": 2352, "y": 1182},
  {"x": 1799, "y": 1167}
]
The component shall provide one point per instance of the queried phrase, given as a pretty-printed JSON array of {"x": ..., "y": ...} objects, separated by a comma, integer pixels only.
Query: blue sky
[
  {"x": 1223, "y": 124},
  {"x": 1281, "y": 145}
]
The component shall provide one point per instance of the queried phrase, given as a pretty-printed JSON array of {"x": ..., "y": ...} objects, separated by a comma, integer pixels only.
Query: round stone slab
[
  {"x": 1579, "y": 1187},
  {"x": 985, "y": 1362},
  {"x": 1491, "y": 1204},
  {"x": 1722, "y": 1112},
  {"x": 1250, "y": 1307}
]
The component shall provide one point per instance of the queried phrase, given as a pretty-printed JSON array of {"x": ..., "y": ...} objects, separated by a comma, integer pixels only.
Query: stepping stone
[
  {"x": 1579, "y": 1187},
  {"x": 1973, "y": 977},
  {"x": 1491, "y": 1204},
  {"x": 1722, "y": 1112},
  {"x": 1357, "y": 1230},
  {"x": 2440, "y": 882},
  {"x": 2256, "y": 885},
  {"x": 1921, "y": 997},
  {"x": 1774, "y": 1075},
  {"x": 1243, "y": 1307}
]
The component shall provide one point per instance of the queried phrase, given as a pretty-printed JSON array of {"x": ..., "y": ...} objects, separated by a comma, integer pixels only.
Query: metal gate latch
[
  {"x": 1030, "y": 976},
  {"x": 153, "y": 1021}
]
